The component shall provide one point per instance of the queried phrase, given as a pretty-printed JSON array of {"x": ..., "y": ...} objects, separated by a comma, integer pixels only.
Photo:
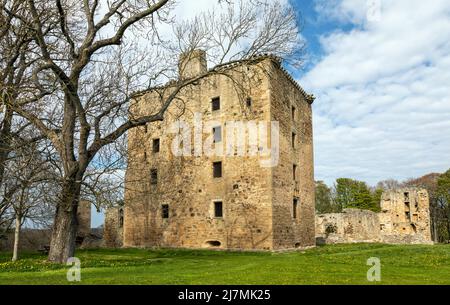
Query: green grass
[{"x": 334, "y": 264}]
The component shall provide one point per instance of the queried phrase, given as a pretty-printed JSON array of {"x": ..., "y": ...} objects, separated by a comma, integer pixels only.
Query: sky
[
  {"x": 380, "y": 71},
  {"x": 382, "y": 84}
]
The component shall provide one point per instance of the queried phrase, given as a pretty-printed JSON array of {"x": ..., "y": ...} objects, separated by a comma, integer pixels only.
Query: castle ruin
[
  {"x": 404, "y": 219},
  {"x": 241, "y": 200}
]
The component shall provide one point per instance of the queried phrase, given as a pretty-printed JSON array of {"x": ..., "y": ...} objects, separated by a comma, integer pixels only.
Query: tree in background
[
  {"x": 349, "y": 193},
  {"x": 324, "y": 202},
  {"x": 388, "y": 184},
  {"x": 85, "y": 61},
  {"x": 443, "y": 203},
  {"x": 376, "y": 199}
]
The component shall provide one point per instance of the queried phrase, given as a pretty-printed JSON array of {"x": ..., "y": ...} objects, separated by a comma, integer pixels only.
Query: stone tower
[
  {"x": 84, "y": 218},
  {"x": 113, "y": 230},
  {"x": 178, "y": 194}
]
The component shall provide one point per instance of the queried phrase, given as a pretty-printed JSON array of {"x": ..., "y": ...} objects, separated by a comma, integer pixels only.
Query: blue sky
[{"x": 381, "y": 78}]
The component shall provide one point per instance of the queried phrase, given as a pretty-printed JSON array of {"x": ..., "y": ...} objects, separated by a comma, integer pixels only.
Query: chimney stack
[{"x": 192, "y": 64}]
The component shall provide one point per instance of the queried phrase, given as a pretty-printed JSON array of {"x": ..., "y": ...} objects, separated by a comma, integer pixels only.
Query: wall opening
[
  {"x": 218, "y": 209},
  {"x": 120, "y": 218},
  {"x": 249, "y": 101},
  {"x": 215, "y": 104},
  {"x": 165, "y": 211},
  {"x": 154, "y": 176},
  {"x": 213, "y": 243},
  {"x": 330, "y": 228},
  {"x": 156, "y": 145},
  {"x": 406, "y": 195},
  {"x": 217, "y": 169},
  {"x": 294, "y": 208}
]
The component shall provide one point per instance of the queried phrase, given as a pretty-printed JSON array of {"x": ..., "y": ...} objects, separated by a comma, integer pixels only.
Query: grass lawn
[{"x": 333, "y": 264}]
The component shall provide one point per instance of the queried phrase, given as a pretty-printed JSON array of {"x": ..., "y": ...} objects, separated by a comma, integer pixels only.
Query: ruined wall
[
  {"x": 113, "y": 227},
  {"x": 350, "y": 226},
  {"x": 404, "y": 219},
  {"x": 246, "y": 189},
  {"x": 405, "y": 216}
]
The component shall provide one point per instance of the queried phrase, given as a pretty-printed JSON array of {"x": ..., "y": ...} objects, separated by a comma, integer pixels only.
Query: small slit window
[
  {"x": 294, "y": 172},
  {"x": 217, "y": 169},
  {"x": 120, "y": 218},
  {"x": 218, "y": 209},
  {"x": 215, "y": 104},
  {"x": 249, "y": 102},
  {"x": 165, "y": 211},
  {"x": 155, "y": 146},
  {"x": 293, "y": 113},
  {"x": 294, "y": 208},
  {"x": 154, "y": 176}
]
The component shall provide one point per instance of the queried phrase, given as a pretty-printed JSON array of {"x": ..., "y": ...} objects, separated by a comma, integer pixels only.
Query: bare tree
[
  {"x": 28, "y": 177},
  {"x": 388, "y": 185},
  {"x": 85, "y": 70}
]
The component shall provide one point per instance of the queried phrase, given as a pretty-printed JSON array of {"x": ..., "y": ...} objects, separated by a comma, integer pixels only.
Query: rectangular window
[
  {"x": 218, "y": 209},
  {"x": 293, "y": 113},
  {"x": 217, "y": 132},
  {"x": 156, "y": 145},
  {"x": 294, "y": 208},
  {"x": 294, "y": 138},
  {"x": 154, "y": 176},
  {"x": 165, "y": 211},
  {"x": 120, "y": 218},
  {"x": 217, "y": 169},
  {"x": 294, "y": 172},
  {"x": 249, "y": 102},
  {"x": 215, "y": 104}
]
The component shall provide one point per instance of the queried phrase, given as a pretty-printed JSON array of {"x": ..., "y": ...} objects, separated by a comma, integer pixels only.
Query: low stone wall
[
  {"x": 30, "y": 240},
  {"x": 350, "y": 226}
]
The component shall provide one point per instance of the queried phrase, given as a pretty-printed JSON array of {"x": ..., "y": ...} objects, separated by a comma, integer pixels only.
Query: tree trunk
[
  {"x": 62, "y": 245},
  {"x": 17, "y": 238}
]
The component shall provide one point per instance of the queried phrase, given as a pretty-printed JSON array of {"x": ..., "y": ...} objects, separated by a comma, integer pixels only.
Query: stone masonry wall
[
  {"x": 294, "y": 114},
  {"x": 404, "y": 219},
  {"x": 113, "y": 228},
  {"x": 187, "y": 185},
  {"x": 84, "y": 218},
  {"x": 350, "y": 226}
]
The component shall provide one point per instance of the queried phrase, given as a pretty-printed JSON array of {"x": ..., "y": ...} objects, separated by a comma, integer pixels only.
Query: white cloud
[{"x": 383, "y": 91}]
